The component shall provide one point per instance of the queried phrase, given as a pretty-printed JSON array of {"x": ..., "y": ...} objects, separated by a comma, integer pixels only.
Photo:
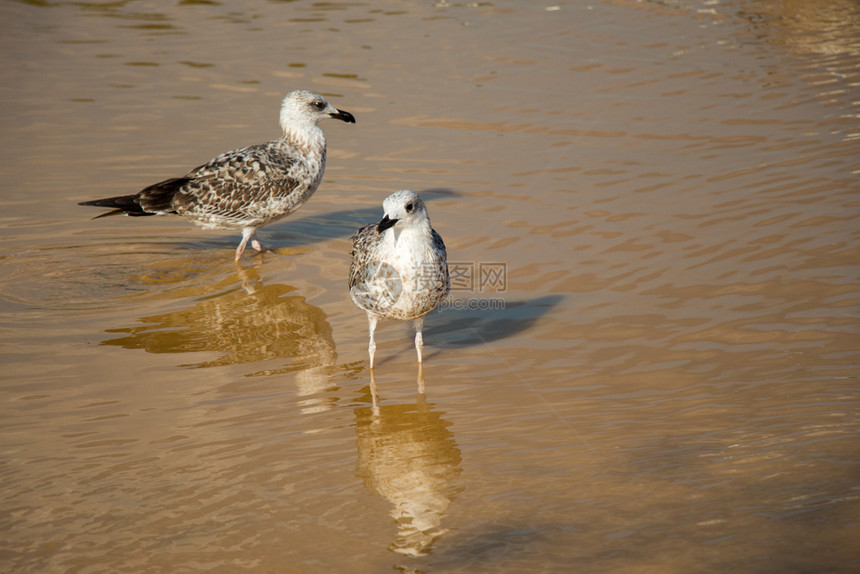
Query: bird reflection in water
[
  {"x": 407, "y": 455},
  {"x": 247, "y": 325}
]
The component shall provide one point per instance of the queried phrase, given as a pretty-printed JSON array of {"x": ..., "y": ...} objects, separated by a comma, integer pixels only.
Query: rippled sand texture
[{"x": 648, "y": 362}]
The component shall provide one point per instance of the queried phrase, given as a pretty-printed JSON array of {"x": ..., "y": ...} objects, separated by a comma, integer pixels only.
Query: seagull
[
  {"x": 399, "y": 267},
  {"x": 249, "y": 187}
]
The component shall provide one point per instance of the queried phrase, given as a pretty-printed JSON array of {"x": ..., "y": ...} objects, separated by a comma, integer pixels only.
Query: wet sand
[{"x": 648, "y": 361}]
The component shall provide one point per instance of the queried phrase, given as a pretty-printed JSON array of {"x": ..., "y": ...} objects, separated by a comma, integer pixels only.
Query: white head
[
  {"x": 403, "y": 209},
  {"x": 302, "y": 109}
]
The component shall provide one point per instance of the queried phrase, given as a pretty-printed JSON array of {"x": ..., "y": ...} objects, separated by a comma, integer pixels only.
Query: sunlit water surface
[{"x": 649, "y": 360}]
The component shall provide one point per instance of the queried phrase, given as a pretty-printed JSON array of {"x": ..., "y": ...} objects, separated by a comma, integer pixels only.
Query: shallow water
[{"x": 649, "y": 361}]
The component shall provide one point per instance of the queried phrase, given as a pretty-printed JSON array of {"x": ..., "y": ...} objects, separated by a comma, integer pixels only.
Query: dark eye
[
  {"x": 409, "y": 207},
  {"x": 319, "y": 104}
]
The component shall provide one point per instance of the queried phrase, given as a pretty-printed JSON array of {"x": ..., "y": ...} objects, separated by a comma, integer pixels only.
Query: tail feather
[
  {"x": 159, "y": 197},
  {"x": 127, "y": 204},
  {"x": 153, "y": 200}
]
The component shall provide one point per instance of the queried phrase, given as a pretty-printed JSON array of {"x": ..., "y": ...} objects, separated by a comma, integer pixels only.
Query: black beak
[
  {"x": 343, "y": 116},
  {"x": 385, "y": 224}
]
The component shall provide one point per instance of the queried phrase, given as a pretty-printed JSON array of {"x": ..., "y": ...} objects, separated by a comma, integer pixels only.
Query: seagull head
[
  {"x": 403, "y": 209},
  {"x": 303, "y": 108}
]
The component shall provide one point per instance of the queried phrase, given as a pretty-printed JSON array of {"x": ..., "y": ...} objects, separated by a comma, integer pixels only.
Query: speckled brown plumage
[
  {"x": 250, "y": 187},
  {"x": 399, "y": 267}
]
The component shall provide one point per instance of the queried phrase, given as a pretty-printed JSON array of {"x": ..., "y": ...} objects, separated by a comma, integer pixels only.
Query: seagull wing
[
  {"x": 363, "y": 243},
  {"x": 239, "y": 183}
]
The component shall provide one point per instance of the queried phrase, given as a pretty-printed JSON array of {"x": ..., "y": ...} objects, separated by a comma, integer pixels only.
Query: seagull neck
[
  {"x": 308, "y": 137},
  {"x": 402, "y": 238}
]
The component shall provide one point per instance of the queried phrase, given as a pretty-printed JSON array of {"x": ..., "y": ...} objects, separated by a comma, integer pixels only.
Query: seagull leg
[
  {"x": 247, "y": 234},
  {"x": 374, "y": 396},
  {"x": 255, "y": 243},
  {"x": 371, "y": 347},
  {"x": 420, "y": 379},
  {"x": 419, "y": 338}
]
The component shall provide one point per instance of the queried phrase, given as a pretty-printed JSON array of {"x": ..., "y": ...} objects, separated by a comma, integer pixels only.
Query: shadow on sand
[{"x": 466, "y": 328}]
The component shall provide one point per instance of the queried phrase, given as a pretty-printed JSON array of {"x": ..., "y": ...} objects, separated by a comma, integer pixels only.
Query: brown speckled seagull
[
  {"x": 250, "y": 187},
  {"x": 399, "y": 267}
]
